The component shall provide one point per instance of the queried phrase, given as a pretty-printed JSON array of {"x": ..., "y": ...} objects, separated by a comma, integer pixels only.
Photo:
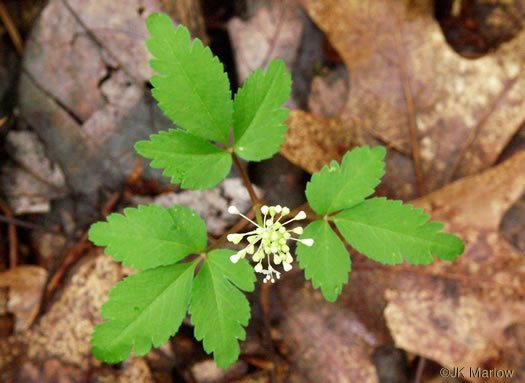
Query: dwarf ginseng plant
[{"x": 166, "y": 246}]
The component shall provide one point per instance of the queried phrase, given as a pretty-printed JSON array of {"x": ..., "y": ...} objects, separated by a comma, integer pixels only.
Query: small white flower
[{"x": 270, "y": 239}]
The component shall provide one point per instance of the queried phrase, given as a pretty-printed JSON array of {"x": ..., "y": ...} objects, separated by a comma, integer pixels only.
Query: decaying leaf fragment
[
  {"x": 273, "y": 32},
  {"x": 326, "y": 342},
  {"x": 25, "y": 285},
  {"x": 462, "y": 313}
]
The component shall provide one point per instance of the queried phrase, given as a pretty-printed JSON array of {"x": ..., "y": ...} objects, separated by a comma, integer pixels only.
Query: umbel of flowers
[{"x": 269, "y": 240}]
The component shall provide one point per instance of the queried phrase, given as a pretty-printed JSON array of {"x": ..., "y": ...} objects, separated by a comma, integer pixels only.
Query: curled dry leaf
[
  {"x": 410, "y": 90},
  {"x": 464, "y": 313},
  {"x": 25, "y": 284}
]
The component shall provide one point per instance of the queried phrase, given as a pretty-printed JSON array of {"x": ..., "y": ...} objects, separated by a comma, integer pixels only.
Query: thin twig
[
  {"x": 411, "y": 115},
  {"x": 52, "y": 270},
  {"x": 11, "y": 29},
  {"x": 235, "y": 229},
  {"x": 246, "y": 181},
  {"x": 419, "y": 370},
  {"x": 73, "y": 254},
  {"x": 27, "y": 225},
  {"x": 13, "y": 238}
]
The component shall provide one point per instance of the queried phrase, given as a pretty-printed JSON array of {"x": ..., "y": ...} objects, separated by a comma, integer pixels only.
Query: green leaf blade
[
  {"x": 338, "y": 187},
  {"x": 219, "y": 310},
  {"x": 258, "y": 119},
  {"x": 183, "y": 156},
  {"x": 150, "y": 236},
  {"x": 191, "y": 88},
  {"x": 327, "y": 262},
  {"x": 144, "y": 309},
  {"x": 388, "y": 232}
]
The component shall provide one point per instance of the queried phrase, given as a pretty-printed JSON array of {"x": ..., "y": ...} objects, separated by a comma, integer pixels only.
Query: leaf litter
[{"x": 457, "y": 135}]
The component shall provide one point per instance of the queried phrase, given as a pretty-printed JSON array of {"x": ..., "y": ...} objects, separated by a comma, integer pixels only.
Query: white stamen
[
  {"x": 300, "y": 215},
  {"x": 308, "y": 242},
  {"x": 297, "y": 230},
  {"x": 233, "y": 210},
  {"x": 248, "y": 219}
]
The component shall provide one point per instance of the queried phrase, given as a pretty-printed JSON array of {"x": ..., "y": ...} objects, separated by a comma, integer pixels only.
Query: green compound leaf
[
  {"x": 327, "y": 262},
  {"x": 388, "y": 231},
  {"x": 192, "y": 88},
  {"x": 257, "y": 116},
  {"x": 144, "y": 309},
  {"x": 338, "y": 187},
  {"x": 218, "y": 309},
  {"x": 184, "y": 157},
  {"x": 150, "y": 236}
]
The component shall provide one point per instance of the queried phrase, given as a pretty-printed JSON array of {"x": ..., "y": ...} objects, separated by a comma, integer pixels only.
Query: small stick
[
  {"x": 27, "y": 225},
  {"x": 420, "y": 368},
  {"x": 246, "y": 181},
  {"x": 72, "y": 256},
  {"x": 13, "y": 239},
  {"x": 235, "y": 229},
  {"x": 11, "y": 29}
]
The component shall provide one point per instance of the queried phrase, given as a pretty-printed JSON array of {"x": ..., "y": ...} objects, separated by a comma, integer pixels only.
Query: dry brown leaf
[
  {"x": 405, "y": 81},
  {"x": 25, "y": 285},
  {"x": 273, "y": 32},
  {"x": 331, "y": 342},
  {"x": 328, "y": 93},
  {"x": 30, "y": 181},
  {"x": 57, "y": 347},
  {"x": 83, "y": 87},
  {"x": 312, "y": 141},
  {"x": 462, "y": 313}
]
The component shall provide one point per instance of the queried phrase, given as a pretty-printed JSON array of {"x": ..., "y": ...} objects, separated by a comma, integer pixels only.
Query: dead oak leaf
[
  {"x": 409, "y": 89},
  {"x": 459, "y": 313}
]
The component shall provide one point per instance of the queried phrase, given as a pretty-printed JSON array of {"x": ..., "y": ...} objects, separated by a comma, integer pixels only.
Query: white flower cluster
[{"x": 271, "y": 239}]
